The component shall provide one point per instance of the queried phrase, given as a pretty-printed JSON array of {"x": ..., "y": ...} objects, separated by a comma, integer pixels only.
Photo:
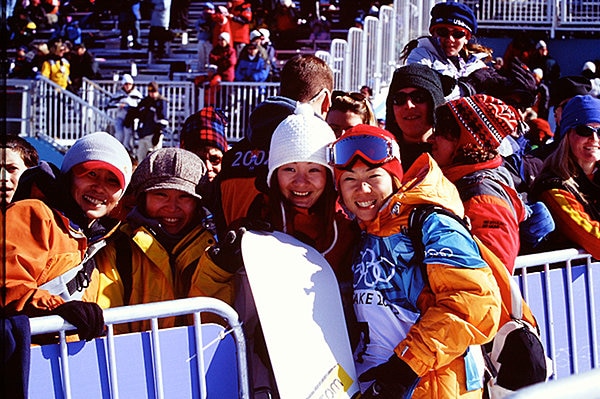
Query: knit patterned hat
[
  {"x": 580, "y": 110},
  {"x": 484, "y": 120},
  {"x": 204, "y": 128},
  {"x": 100, "y": 150},
  {"x": 169, "y": 168},
  {"x": 454, "y": 14},
  {"x": 301, "y": 137}
]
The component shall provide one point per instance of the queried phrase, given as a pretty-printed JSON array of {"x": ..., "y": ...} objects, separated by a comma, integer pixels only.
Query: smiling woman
[
  {"x": 156, "y": 251},
  {"x": 569, "y": 183},
  {"x": 57, "y": 222}
]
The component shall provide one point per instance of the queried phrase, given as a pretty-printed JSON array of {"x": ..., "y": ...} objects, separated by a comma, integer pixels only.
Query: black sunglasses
[
  {"x": 445, "y": 32},
  {"x": 416, "y": 97},
  {"x": 587, "y": 131},
  {"x": 356, "y": 96}
]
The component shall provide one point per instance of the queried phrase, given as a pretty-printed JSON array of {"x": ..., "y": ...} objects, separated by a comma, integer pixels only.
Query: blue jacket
[{"x": 247, "y": 70}]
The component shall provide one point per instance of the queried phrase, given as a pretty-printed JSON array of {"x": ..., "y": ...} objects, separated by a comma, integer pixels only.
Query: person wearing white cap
[
  {"x": 224, "y": 57},
  {"x": 127, "y": 97},
  {"x": 300, "y": 201},
  {"x": 589, "y": 71},
  {"x": 57, "y": 223},
  {"x": 541, "y": 59}
]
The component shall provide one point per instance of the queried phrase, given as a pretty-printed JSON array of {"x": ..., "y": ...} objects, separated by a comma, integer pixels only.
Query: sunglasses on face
[
  {"x": 356, "y": 96},
  {"x": 416, "y": 97},
  {"x": 445, "y": 32},
  {"x": 587, "y": 131}
]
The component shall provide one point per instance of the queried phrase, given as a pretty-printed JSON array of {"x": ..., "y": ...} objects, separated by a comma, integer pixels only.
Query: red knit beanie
[
  {"x": 484, "y": 120},
  {"x": 393, "y": 166}
]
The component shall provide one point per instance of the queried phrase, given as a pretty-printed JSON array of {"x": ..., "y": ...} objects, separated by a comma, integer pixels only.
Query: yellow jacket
[{"x": 156, "y": 274}]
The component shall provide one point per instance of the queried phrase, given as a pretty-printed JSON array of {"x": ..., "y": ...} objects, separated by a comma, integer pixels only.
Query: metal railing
[
  {"x": 150, "y": 311},
  {"x": 63, "y": 116},
  {"x": 237, "y": 100},
  {"x": 561, "y": 288},
  {"x": 180, "y": 96}
]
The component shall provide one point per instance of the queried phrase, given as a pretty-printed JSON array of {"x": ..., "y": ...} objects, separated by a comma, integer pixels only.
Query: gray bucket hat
[{"x": 170, "y": 168}]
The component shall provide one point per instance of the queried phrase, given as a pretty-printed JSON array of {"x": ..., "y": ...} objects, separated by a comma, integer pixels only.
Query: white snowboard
[{"x": 300, "y": 310}]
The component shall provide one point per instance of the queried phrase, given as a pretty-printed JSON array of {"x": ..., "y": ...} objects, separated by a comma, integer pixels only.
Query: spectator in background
[
  {"x": 415, "y": 92},
  {"x": 125, "y": 99},
  {"x": 285, "y": 25},
  {"x": 541, "y": 105},
  {"x": 251, "y": 67},
  {"x": 450, "y": 51},
  {"x": 561, "y": 92},
  {"x": 203, "y": 133},
  {"x": 22, "y": 29},
  {"x": 152, "y": 114},
  {"x": 348, "y": 110},
  {"x": 17, "y": 155},
  {"x": 240, "y": 15},
  {"x": 542, "y": 59},
  {"x": 274, "y": 68},
  {"x": 367, "y": 91},
  {"x": 222, "y": 24},
  {"x": 58, "y": 222},
  {"x": 83, "y": 65},
  {"x": 210, "y": 84},
  {"x": 204, "y": 31},
  {"x": 589, "y": 71},
  {"x": 22, "y": 66},
  {"x": 569, "y": 183},
  {"x": 71, "y": 31},
  {"x": 129, "y": 23},
  {"x": 56, "y": 67},
  {"x": 179, "y": 18},
  {"x": 159, "y": 33},
  {"x": 157, "y": 249},
  {"x": 539, "y": 133},
  {"x": 224, "y": 57}
]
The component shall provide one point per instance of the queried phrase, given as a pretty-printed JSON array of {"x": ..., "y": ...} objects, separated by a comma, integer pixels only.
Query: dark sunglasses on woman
[{"x": 445, "y": 32}]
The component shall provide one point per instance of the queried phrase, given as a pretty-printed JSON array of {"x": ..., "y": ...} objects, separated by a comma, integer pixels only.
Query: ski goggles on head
[{"x": 373, "y": 149}]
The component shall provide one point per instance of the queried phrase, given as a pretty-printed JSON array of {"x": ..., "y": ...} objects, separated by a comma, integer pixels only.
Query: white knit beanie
[
  {"x": 301, "y": 137},
  {"x": 100, "y": 147}
]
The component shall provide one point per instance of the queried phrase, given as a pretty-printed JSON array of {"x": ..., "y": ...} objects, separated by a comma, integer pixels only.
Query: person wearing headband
[
  {"x": 569, "y": 183},
  {"x": 419, "y": 320}
]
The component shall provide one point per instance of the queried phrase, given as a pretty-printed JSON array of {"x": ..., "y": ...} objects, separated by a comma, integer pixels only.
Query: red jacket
[{"x": 492, "y": 205}]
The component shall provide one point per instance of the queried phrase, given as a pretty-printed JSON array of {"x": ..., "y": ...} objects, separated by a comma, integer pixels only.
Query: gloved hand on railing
[{"x": 86, "y": 316}]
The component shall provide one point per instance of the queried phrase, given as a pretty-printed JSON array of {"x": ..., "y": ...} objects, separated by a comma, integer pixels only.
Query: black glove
[
  {"x": 227, "y": 253},
  {"x": 86, "y": 316},
  {"x": 394, "y": 379}
]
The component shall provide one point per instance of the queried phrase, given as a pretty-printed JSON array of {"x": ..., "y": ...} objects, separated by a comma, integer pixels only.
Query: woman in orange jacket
[{"x": 53, "y": 229}]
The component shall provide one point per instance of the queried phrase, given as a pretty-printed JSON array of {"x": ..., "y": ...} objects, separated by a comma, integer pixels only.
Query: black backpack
[{"x": 515, "y": 358}]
